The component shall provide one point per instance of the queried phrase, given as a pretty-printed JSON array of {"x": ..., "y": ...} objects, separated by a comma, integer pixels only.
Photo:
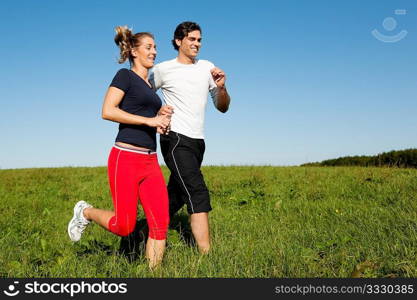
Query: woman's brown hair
[{"x": 126, "y": 40}]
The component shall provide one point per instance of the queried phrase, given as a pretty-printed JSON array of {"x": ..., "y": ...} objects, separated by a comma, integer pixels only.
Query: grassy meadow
[{"x": 266, "y": 222}]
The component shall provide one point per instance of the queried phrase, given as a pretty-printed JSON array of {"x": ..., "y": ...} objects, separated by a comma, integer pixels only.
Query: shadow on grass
[
  {"x": 180, "y": 223},
  {"x": 133, "y": 246},
  {"x": 92, "y": 246}
]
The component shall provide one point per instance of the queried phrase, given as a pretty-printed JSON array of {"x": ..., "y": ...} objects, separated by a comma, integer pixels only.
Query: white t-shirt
[{"x": 186, "y": 88}]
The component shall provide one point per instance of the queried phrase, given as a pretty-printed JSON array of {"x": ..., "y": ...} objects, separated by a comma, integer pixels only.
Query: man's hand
[{"x": 219, "y": 77}]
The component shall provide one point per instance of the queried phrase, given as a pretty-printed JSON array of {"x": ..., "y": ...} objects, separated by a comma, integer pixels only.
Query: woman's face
[{"x": 145, "y": 53}]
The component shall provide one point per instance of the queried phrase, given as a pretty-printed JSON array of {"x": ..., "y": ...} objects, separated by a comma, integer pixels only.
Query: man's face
[{"x": 190, "y": 45}]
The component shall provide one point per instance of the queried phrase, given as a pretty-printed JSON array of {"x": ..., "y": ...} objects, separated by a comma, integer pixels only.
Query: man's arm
[
  {"x": 154, "y": 78},
  {"x": 222, "y": 97}
]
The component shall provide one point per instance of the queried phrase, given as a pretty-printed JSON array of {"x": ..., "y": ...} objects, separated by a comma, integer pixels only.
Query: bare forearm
[
  {"x": 117, "y": 115},
  {"x": 112, "y": 112},
  {"x": 223, "y": 99}
]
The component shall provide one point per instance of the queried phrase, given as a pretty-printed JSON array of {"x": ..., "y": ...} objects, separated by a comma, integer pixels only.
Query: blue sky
[{"x": 308, "y": 80}]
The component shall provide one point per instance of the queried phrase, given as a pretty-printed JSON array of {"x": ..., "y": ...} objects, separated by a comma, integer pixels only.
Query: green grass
[{"x": 266, "y": 222}]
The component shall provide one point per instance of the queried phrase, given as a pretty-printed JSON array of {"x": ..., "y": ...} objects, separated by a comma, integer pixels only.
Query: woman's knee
[
  {"x": 126, "y": 230},
  {"x": 122, "y": 228}
]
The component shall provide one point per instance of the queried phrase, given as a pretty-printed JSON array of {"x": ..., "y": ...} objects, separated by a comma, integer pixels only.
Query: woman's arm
[{"x": 112, "y": 112}]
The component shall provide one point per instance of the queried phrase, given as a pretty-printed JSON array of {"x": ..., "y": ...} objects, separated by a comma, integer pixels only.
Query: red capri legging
[{"x": 134, "y": 176}]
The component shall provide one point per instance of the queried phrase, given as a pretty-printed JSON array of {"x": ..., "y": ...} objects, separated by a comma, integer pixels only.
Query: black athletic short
[{"x": 183, "y": 156}]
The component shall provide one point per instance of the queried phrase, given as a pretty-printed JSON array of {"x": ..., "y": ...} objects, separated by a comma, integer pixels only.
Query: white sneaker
[{"x": 78, "y": 222}]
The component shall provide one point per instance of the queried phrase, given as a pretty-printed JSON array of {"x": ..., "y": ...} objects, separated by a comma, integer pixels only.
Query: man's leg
[
  {"x": 183, "y": 157},
  {"x": 176, "y": 201},
  {"x": 200, "y": 221},
  {"x": 201, "y": 232}
]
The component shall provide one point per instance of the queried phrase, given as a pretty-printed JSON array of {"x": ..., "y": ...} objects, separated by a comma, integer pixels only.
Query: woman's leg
[
  {"x": 155, "y": 251},
  {"x": 154, "y": 200},
  {"x": 123, "y": 178},
  {"x": 124, "y": 174},
  {"x": 100, "y": 216}
]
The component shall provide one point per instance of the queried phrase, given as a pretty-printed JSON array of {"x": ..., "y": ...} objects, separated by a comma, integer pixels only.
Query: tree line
[{"x": 402, "y": 158}]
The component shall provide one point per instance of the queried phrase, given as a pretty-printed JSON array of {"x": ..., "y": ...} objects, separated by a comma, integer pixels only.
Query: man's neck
[{"x": 181, "y": 58}]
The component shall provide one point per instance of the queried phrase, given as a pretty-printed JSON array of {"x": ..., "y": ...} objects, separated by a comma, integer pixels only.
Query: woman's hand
[
  {"x": 165, "y": 131},
  {"x": 166, "y": 110},
  {"x": 160, "y": 121}
]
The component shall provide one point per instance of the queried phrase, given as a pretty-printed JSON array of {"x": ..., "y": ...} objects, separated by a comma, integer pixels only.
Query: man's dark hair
[{"x": 183, "y": 30}]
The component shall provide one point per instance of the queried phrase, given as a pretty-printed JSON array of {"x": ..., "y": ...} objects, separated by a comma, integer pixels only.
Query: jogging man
[{"x": 185, "y": 82}]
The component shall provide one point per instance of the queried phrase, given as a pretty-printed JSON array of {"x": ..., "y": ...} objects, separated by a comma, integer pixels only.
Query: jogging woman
[{"x": 133, "y": 168}]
